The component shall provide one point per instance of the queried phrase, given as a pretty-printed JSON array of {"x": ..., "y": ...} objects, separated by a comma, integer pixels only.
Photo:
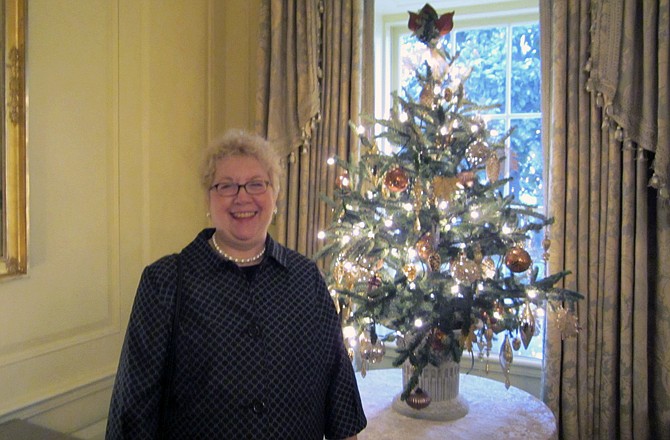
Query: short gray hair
[{"x": 241, "y": 143}]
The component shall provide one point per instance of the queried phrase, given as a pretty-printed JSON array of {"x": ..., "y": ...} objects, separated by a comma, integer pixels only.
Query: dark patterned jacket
[{"x": 256, "y": 358}]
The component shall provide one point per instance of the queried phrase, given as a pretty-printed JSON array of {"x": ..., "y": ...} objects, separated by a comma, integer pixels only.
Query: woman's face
[{"x": 241, "y": 220}]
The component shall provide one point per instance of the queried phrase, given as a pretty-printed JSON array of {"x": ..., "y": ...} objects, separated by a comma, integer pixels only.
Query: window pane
[
  {"x": 526, "y": 169},
  {"x": 526, "y": 164},
  {"x": 526, "y": 69},
  {"x": 484, "y": 51},
  {"x": 412, "y": 53}
]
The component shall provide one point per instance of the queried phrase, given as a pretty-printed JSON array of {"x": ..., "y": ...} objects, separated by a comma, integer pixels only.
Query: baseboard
[{"x": 80, "y": 411}]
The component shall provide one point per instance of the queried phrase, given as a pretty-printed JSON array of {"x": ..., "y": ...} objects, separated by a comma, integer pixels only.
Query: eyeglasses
[{"x": 253, "y": 187}]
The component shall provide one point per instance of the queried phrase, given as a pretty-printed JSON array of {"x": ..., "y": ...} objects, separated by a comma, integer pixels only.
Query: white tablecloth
[{"x": 495, "y": 412}]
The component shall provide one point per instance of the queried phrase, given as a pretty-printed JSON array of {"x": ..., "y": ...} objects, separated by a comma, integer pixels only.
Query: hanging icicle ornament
[
  {"x": 506, "y": 357},
  {"x": 527, "y": 327}
]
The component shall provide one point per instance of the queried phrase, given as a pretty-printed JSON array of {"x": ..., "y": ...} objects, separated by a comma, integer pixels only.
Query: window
[{"x": 499, "y": 41}]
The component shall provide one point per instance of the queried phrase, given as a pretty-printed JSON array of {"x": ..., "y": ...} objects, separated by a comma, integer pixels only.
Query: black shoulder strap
[{"x": 168, "y": 378}]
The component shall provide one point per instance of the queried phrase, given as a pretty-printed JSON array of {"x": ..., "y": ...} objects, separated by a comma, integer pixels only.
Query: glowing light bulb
[
  {"x": 321, "y": 235},
  {"x": 349, "y": 332},
  {"x": 331, "y": 161},
  {"x": 418, "y": 323}
]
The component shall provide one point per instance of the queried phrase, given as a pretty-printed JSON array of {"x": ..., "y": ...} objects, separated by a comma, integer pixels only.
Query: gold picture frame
[{"x": 13, "y": 208}]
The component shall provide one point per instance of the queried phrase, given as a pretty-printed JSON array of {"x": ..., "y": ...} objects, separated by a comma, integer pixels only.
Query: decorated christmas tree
[{"x": 425, "y": 241}]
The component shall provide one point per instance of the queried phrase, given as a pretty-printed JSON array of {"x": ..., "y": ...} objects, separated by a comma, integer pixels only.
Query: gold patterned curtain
[
  {"x": 607, "y": 140},
  {"x": 315, "y": 76}
]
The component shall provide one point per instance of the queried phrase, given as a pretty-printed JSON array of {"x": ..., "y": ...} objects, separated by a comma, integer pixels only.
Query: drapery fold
[
  {"x": 629, "y": 72},
  {"x": 611, "y": 231},
  {"x": 332, "y": 48},
  {"x": 287, "y": 102}
]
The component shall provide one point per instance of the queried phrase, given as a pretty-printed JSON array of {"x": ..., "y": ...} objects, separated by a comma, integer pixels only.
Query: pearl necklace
[{"x": 236, "y": 260}]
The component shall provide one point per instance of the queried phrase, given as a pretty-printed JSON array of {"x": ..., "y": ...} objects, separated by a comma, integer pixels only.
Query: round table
[{"x": 495, "y": 412}]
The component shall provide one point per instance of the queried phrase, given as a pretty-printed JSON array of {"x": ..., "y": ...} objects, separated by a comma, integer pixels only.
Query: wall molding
[{"x": 57, "y": 411}]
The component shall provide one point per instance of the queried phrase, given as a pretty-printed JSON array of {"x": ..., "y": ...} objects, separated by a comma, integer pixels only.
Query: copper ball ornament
[
  {"x": 396, "y": 180},
  {"x": 517, "y": 259},
  {"x": 342, "y": 181},
  {"x": 418, "y": 399}
]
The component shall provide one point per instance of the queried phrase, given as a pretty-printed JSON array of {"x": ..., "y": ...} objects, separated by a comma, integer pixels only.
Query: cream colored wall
[{"x": 123, "y": 94}]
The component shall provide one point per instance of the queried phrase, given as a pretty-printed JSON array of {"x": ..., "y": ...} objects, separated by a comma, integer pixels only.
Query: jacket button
[
  {"x": 258, "y": 406},
  {"x": 254, "y": 330}
]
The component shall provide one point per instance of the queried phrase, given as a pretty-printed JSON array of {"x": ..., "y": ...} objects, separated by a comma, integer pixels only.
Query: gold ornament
[
  {"x": 426, "y": 96},
  {"x": 517, "y": 259},
  {"x": 396, "y": 180},
  {"x": 445, "y": 187},
  {"x": 464, "y": 271},
  {"x": 377, "y": 352},
  {"x": 477, "y": 152},
  {"x": 418, "y": 399},
  {"x": 488, "y": 268},
  {"x": 516, "y": 344},
  {"x": 492, "y": 168},
  {"x": 424, "y": 247},
  {"x": 338, "y": 274},
  {"x": 410, "y": 272},
  {"x": 434, "y": 261},
  {"x": 478, "y": 256},
  {"x": 448, "y": 94}
]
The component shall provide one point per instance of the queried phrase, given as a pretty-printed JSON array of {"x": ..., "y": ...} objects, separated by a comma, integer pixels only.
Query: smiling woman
[{"x": 13, "y": 206}]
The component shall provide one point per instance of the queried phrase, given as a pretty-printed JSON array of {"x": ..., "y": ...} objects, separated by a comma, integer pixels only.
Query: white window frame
[{"x": 391, "y": 17}]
